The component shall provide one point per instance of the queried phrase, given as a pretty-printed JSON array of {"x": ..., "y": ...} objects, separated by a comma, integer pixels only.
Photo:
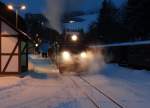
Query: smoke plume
[{"x": 54, "y": 12}]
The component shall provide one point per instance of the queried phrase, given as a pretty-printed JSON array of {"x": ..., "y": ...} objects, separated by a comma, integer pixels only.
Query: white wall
[
  {"x": 13, "y": 64},
  {"x": 6, "y": 30},
  {"x": 7, "y": 46}
]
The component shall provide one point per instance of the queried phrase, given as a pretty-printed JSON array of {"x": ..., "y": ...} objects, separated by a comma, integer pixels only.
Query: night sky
[
  {"x": 52, "y": 10},
  {"x": 34, "y": 6},
  {"x": 37, "y": 6}
]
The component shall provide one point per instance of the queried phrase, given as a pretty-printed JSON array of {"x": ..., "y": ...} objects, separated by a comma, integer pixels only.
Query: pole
[
  {"x": 57, "y": 56},
  {"x": 16, "y": 18}
]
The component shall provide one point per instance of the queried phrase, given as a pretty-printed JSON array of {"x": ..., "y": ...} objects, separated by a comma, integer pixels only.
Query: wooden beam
[
  {"x": 0, "y": 44},
  {"x": 8, "y": 54},
  {"x": 9, "y": 35},
  {"x": 19, "y": 56},
  {"x": 27, "y": 55},
  {"x": 10, "y": 57},
  {"x": 9, "y": 74}
]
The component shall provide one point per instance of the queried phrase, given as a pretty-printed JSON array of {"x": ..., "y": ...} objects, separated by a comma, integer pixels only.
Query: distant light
[
  {"x": 71, "y": 21},
  {"x": 42, "y": 23},
  {"x": 10, "y": 7},
  {"x": 74, "y": 37},
  {"x": 37, "y": 35},
  {"x": 36, "y": 45},
  {"x": 23, "y": 7}
]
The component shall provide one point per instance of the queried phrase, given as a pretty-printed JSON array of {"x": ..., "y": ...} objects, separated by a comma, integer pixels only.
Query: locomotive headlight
[
  {"x": 74, "y": 38},
  {"x": 83, "y": 55},
  {"x": 66, "y": 56}
]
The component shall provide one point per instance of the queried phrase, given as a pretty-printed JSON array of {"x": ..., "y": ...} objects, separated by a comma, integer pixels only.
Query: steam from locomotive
[{"x": 73, "y": 55}]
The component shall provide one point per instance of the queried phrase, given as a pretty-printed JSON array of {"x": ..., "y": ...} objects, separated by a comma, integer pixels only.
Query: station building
[{"x": 13, "y": 48}]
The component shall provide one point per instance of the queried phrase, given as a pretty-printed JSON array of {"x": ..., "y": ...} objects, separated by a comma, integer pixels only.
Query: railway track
[
  {"x": 85, "y": 93},
  {"x": 98, "y": 90}
]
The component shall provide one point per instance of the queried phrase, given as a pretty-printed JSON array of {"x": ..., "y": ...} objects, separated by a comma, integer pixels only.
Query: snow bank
[{"x": 114, "y": 71}]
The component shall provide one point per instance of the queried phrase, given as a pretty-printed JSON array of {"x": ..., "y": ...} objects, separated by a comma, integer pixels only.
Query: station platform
[{"x": 41, "y": 65}]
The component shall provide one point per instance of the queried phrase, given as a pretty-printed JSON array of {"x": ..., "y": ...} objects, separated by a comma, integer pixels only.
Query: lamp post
[{"x": 16, "y": 8}]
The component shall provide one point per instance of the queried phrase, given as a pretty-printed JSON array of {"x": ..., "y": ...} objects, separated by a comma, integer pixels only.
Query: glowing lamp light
[
  {"x": 66, "y": 55},
  {"x": 10, "y": 7},
  {"x": 23, "y": 7},
  {"x": 83, "y": 55},
  {"x": 71, "y": 21},
  {"x": 36, "y": 45},
  {"x": 74, "y": 38}
]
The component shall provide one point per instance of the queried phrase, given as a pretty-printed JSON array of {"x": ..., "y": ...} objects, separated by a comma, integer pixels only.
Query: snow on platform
[
  {"x": 8, "y": 82},
  {"x": 42, "y": 65},
  {"x": 130, "y": 88}
]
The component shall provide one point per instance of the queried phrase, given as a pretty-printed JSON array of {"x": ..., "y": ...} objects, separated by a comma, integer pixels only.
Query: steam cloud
[
  {"x": 54, "y": 12},
  {"x": 97, "y": 62},
  {"x": 56, "y": 8}
]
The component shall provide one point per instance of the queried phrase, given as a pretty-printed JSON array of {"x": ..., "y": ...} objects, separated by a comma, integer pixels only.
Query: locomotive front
[{"x": 73, "y": 55}]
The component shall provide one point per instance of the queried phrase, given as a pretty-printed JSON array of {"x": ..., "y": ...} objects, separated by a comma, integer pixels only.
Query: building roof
[
  {"x": 10, "y": 15},
  {"x": 23, "y": 34}
]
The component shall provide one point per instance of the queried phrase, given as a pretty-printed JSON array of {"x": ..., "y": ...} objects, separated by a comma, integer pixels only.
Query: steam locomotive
[{"x": 70, "y": 53}]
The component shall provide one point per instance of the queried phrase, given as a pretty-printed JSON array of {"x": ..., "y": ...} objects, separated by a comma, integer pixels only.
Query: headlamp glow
[
  {"x": 83, "y": 55},
  {"x": 66, "y": 55},
  {"x": 74, "y": 38}
]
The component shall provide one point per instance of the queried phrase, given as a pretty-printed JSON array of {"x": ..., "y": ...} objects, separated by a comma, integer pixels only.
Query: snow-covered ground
[
  {"x": 41, "y": 65},
  {"x": 130, "y": 88}
]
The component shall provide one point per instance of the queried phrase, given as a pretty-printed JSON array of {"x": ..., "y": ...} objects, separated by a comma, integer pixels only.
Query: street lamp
[
  {"x": 10, "y": 7},
  {"x": 16, "y": 8},
  {"x": 23, "y": 7}
]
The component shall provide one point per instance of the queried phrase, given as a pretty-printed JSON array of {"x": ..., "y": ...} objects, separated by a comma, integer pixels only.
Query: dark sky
[
  {"x": 52, "y": 10},
  {"x": 36, "y": 6}
]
